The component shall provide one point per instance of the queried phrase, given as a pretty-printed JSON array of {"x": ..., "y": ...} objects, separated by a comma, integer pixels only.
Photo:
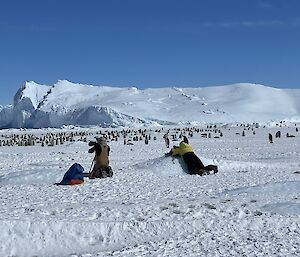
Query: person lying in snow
[
  {"x": 101, "y": 168},
  {"x": 194, "y": 164}
]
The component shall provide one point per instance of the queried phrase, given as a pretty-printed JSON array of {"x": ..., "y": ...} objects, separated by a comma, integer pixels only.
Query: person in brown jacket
[{"x": 101, "y": 168}]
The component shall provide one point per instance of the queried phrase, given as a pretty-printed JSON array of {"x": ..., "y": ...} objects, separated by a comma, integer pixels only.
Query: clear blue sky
[{"x": 149, "y": 43}]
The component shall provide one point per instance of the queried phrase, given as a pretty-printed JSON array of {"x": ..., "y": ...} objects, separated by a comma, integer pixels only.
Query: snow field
[{"x": 150, "y": 207}]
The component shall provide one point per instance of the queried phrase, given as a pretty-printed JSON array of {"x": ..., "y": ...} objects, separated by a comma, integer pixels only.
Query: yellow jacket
[{"x": 182, "y": 149}]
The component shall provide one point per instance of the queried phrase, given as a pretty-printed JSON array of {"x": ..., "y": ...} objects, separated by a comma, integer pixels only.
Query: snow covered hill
[{"x": 66, "y": 103}]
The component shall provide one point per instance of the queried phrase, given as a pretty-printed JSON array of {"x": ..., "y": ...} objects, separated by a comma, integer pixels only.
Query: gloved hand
[
  {"x": 168, "y": 154},
  {"x": 95, "y": 147}
]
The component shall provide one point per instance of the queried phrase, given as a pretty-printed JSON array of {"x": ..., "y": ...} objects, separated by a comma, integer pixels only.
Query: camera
[{"x": 95, "y": 147}]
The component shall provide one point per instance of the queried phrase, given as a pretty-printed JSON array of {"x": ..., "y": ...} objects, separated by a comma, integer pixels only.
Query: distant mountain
[{"x": 66, "y": 103}]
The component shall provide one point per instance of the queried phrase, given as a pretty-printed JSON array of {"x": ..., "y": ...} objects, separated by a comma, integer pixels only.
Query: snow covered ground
[{"x": 150, "y": 207}]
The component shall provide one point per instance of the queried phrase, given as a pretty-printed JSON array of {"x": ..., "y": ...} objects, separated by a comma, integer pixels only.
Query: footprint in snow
[
  {"x": 177, "y": 211},
  {"x": 225, "y": 201},
  {"x": 174, "y": 204},
  {"x": 163, "y": 208},
  {"x": 209, "y": 206},
  {"x": 257, "y": 213}
]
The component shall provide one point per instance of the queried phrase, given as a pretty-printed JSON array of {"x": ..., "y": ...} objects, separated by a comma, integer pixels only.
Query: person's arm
[
  {"x": 170, "y": 153},
  {"x": 95, "y": 148},
  {"x": 175, "y": 151}
]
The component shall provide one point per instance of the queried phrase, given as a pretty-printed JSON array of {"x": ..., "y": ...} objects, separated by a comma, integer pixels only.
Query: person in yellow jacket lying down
[{"x": 194, "y": 164}]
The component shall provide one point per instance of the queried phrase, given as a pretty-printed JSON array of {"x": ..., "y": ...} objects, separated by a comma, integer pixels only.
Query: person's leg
[
  {"x": 193, "y": 163},
  {"x": 96, "y": 173},
  {"x": 109, "y": 172},
  {"x": 198, "y": 162}
]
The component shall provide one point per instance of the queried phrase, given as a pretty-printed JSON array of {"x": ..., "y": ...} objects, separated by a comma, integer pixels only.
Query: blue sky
[{"x": 149, "y": 43}]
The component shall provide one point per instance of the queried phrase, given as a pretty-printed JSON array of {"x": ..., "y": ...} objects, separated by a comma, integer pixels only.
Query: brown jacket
[{"x": 101, "y": 160}]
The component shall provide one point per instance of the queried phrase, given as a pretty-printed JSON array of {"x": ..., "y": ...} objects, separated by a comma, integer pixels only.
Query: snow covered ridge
[{"x": 66, "y": 103}]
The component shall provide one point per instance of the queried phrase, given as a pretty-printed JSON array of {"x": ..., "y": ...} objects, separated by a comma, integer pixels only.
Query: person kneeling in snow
[
  {"x": 101, "y": 168},
  {"x": 194, "y": 164}
]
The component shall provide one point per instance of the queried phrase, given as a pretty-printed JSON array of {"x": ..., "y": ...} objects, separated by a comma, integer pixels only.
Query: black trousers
[{"x": 194, "y": 164}]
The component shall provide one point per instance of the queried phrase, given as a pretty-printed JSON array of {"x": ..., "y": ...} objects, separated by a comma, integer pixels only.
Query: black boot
[{"x": 213, "y": 168}]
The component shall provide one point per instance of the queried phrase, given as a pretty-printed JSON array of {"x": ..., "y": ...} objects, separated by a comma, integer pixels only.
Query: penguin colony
[{"x": 130, "y": 136}]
